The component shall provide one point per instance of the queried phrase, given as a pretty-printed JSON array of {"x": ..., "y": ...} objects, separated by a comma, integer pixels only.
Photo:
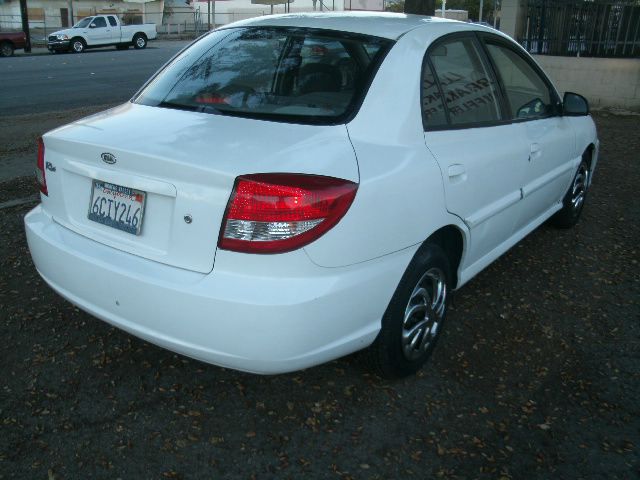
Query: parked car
[
  {"x": 291, "y": 189},
  {"x": 10, "y": 42},
  {"x": 101, "y": 31}
]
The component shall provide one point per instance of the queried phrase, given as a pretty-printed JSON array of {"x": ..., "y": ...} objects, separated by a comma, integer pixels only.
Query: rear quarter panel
[{"x": 400, "y": 200}]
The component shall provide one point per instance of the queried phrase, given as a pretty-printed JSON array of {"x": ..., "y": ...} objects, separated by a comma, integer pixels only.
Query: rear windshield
[{"x": 282, "y": 74}]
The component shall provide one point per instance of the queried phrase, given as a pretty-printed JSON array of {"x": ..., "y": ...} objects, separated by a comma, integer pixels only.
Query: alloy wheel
[
  {"x": 424, "y": 313},
  {"x": 579, "y": 187}
]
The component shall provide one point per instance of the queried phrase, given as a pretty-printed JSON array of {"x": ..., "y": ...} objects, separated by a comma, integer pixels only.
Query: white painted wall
[
  {"x": 229, "y": 11},
  {"x": 11, "y": 19},
  {"x": 605, "y": 82}
]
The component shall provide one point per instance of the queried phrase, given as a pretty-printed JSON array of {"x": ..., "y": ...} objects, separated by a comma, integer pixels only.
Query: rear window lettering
[
  {"x": 433, "y": 111},
  {"x": 468, "y": 88}
]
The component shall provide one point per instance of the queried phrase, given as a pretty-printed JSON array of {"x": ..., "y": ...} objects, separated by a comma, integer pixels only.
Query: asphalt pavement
[
  {"x": 43, "y": 91},
  {"x": 42, "y": 83}
]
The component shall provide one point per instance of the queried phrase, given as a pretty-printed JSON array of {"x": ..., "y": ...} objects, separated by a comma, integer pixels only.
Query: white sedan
[{"x": 290, "y": 189}]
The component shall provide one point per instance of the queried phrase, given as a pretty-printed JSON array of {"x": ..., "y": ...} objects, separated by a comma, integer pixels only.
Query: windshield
[
  {"x": 286, "y": 74},
  {"x": 83, "y": 23}
]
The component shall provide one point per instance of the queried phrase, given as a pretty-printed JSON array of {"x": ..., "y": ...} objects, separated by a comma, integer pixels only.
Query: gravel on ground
[{"x": 537, "y": 375}]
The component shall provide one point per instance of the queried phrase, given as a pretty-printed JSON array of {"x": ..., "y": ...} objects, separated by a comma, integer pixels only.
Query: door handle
[{"x": 457, "y": 173}]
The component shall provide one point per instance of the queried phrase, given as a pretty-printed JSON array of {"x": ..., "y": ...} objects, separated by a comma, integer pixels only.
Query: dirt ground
[
  {"x": 19, "y": 134},
  {"x": 537, "y": 375}
]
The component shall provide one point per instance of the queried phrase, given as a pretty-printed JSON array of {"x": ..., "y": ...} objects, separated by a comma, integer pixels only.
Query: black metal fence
[{"x": 583, "y": 28}]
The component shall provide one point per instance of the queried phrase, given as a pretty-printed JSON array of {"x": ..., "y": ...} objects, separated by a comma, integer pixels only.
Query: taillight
[
  {"x": 40, "y": 173},
  {"x": 280, "y": 212}
]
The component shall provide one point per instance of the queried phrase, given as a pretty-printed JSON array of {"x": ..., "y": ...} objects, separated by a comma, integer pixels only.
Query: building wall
[
  {"x": 513, "y": 16},
  {"x": 605, "y": 82},
  {"x": 46, "y": 13},
  {"x": 461, "y": 15},
  {"x": 228, "y": 11}
]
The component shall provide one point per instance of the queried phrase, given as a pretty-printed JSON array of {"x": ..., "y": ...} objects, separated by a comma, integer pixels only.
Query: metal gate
[{"x": 582, "y": 28}]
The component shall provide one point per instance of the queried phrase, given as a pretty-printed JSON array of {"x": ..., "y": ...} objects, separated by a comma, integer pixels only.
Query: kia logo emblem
[{"x": 108, "y": 158}]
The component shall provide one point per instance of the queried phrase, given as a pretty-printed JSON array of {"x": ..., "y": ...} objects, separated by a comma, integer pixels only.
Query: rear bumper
[{"x": 258, "y": 313}]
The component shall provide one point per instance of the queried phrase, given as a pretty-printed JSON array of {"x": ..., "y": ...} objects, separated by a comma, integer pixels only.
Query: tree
[
  {"x": 394, "y": 6},
  {"x": 420, "y": 7}
]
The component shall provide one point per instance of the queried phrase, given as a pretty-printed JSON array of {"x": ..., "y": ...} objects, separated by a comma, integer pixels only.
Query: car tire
[
  {"x": 573, "y": 201},
  {"x": 78, "y": 45},
  {"x": 139, "y": 41},
  {"x": 412, "y": 323},
  {"x": 6, "y": 49}
]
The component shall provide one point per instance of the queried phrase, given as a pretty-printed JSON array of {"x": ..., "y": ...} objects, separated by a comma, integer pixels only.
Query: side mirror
[
  {"x": 574, "y": 105},
  {"x": 93, "y": 25}
]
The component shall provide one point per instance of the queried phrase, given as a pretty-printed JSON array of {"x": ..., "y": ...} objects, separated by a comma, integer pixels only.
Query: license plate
[{"x": 117, "y": 206}]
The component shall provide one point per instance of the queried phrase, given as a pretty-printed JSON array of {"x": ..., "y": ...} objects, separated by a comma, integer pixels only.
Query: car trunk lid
[{"x": 185, "y": 163}]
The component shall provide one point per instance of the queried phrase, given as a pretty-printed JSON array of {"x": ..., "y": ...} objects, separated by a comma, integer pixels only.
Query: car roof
[{"x": 378, "y": 24}]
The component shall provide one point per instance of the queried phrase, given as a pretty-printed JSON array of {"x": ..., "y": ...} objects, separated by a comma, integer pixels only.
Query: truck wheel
[
  {"x": 78, "y": 45},
  {"x": 139, "y": 41},
  {"x": 6, "y": 49}
]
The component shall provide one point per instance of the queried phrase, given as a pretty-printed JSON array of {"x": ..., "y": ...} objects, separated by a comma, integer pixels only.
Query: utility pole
[
  {"x": 71, "y": 13},
  {"x": 495, "y": 12},
  {"x": 480, "y": 12},
  {"x": 25, "y": 24},
  {"x": 209, "y": 16}
]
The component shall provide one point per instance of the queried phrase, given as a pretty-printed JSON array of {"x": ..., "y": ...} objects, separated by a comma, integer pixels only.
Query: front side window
[
  {"x": 527, "y": 93},
  {"x": 272, "y": 73},
  {"x": 99, "y": 22},
  {"x": 469, "y": 91}
]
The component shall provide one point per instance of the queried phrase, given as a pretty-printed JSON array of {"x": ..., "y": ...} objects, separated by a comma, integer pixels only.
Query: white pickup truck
[{"x": 101, "y": 31}]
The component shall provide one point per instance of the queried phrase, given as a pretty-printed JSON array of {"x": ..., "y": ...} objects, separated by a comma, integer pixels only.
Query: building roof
[{"x": 386, "y": 25}]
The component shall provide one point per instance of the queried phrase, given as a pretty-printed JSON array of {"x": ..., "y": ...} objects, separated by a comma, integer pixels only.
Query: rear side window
[
  {"x": 527, "y": 93},
  {"x": 112, "y": 22},
  {"x": 432, "y": 103},
  {"x": 467, "y": 87},
  {"x": 285, "y": 74}
]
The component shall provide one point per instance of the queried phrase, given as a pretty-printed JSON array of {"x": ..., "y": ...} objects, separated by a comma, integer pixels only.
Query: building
[
  {"x": 221, "y": 12},
  {"x": 462, "y": 15},
  {"x": 50, "y": 15}
]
